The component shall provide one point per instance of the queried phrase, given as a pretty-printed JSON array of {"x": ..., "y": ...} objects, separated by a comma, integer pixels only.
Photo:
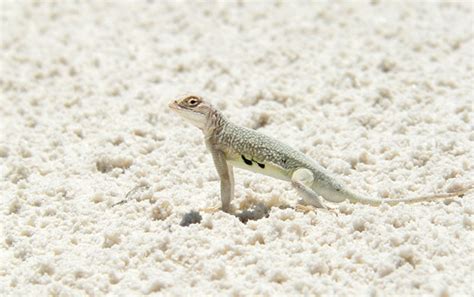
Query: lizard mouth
[{"x": 174, "y": 105}]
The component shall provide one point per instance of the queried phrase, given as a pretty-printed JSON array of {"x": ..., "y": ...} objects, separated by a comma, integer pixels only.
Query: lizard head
[{"x": 193, "y": 109}]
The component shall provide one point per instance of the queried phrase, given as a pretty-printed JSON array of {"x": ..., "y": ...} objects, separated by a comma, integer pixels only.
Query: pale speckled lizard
[{"x": 231, "y": 145}]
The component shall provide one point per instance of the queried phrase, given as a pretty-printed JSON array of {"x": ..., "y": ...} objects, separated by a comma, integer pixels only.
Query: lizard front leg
[
  {"x": 226, "y": 176},
  {"x": 301, "y": 180}
]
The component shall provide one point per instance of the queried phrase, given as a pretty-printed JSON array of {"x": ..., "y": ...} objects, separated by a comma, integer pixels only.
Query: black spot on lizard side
[
  {"x": 246, "y": 161},
  {"x": 261, "y": 165}
]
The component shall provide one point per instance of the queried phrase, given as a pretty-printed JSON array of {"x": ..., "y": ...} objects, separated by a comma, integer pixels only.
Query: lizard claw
[
  {"x": 308, "y": 208},
  {"x": 132, "y": 192},
  {"x": 210, "y": 209},
  {"x": 304, "y": 208}
]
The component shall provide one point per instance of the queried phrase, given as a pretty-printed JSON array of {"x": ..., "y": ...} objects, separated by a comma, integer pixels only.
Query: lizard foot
[
  {"x": 132, "y": 192},
  {"x": 210, "y": 209},
  {"x": 304, "y": 208},
  {"x": 308, "y": 208}
]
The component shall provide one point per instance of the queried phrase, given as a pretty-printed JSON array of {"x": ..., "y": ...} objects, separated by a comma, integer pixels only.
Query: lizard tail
[
  {"x": 375, "y": 202},
  {"x": 337, "y": 193}
]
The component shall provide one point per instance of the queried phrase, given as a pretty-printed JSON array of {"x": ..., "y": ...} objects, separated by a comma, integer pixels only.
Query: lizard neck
[{"x": 215, "y": 122}]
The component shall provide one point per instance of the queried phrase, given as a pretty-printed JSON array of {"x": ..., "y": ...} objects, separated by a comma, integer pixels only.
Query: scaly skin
[{"x": 232, "y": 145}]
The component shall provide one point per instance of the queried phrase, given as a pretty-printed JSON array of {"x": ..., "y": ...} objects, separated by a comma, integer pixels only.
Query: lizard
[{"x": 234, "y": 146}]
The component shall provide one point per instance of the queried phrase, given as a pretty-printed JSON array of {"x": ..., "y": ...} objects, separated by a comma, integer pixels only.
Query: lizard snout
[{"x": 173, "y": 104}]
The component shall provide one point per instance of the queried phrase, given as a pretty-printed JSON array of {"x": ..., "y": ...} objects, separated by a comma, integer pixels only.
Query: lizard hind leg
[{"x": 301, "y": 180}]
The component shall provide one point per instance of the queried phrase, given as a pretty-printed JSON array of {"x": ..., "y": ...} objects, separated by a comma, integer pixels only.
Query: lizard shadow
[{"x": 257, "y": 212}]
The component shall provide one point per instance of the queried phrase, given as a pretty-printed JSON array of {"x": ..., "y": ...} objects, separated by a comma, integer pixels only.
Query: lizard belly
[{"x": 267, "y": 168}]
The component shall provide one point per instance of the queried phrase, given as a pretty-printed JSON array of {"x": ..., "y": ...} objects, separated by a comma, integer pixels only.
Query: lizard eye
[{"x": 193, "y": 101}]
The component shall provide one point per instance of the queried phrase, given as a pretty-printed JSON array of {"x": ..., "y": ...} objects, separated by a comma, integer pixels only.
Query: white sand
[{"x": 380, "y": 94}]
